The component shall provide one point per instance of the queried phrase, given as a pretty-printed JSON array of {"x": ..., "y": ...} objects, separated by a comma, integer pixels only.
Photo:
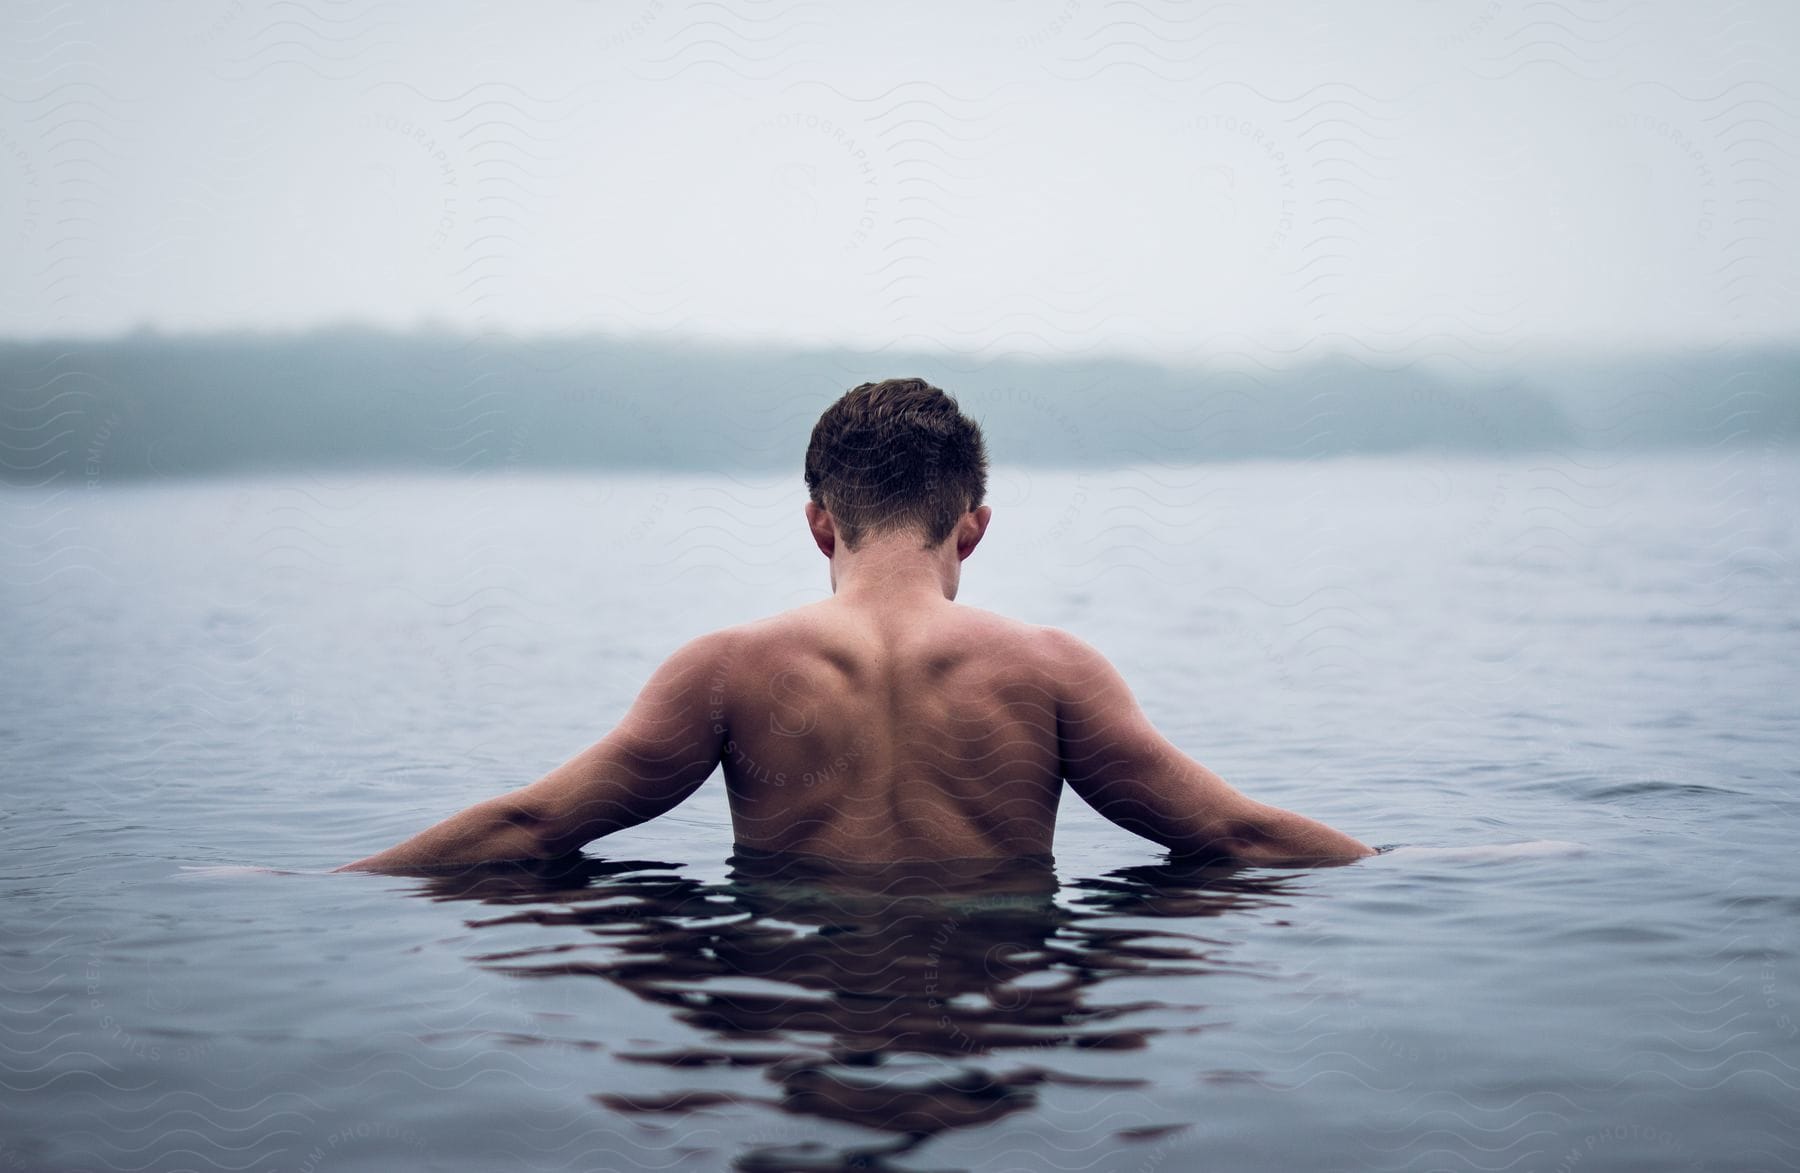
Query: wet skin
[{"x": 883, "y": 724}]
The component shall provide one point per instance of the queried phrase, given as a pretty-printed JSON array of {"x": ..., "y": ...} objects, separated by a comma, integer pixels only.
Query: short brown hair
[{"x": 893, "y": 455}]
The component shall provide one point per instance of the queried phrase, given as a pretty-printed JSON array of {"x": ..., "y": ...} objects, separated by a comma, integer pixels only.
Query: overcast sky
[{"x": 1425, "y": 176}]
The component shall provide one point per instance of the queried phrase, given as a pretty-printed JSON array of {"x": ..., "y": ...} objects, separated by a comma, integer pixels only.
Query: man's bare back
[
  {"x": 863, "y": 734},
  {"x": 887, "y": 723}
]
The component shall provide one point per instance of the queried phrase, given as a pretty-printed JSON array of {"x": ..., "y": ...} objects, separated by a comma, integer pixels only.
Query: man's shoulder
[
  {"x": 1066, "y": 647},
  {"x": 733, "y": 644},
  {"x": 763, "y": 630},
  {"x": 1036, "y": 638},
  {"x": 1075, "y": 666},
  {"x": 1053, "y": 642},
  {"x": 1045, "y": 651}
]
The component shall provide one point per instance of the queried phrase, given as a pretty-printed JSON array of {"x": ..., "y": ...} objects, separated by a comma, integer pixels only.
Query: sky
[{"x": 1148, "y": 177}]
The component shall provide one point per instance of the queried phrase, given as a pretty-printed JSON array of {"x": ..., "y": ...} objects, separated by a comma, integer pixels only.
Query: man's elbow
[
  {"x": 530, "y": 832},
  {"x": 1241, "y": 842},
  {"x": 556, "y": 828}
]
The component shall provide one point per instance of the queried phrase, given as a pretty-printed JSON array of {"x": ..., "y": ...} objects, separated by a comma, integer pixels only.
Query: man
[{"x": 886, "y": 723}]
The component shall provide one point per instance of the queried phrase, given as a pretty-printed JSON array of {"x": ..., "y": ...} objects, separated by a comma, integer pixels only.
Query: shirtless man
[{"x": 887, "y": 723}]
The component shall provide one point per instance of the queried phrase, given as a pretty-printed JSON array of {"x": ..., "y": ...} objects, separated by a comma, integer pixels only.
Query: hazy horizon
[
  {"x": 154, "y": 405},
  {"x": 1318, "y": 348}
]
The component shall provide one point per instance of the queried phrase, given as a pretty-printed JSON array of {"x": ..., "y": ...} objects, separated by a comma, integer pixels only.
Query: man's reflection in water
[{"x": 889, "y": 997}]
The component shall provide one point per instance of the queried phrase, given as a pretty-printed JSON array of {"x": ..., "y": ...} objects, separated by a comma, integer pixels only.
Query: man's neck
[{"x": 891, "y": 569}]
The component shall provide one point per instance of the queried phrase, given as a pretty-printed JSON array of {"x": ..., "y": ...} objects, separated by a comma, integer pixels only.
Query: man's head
[{"x": 896, "y": 455}]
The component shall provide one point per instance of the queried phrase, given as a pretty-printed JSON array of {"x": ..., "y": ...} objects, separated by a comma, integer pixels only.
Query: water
[{"x": 1591, "y": 656}]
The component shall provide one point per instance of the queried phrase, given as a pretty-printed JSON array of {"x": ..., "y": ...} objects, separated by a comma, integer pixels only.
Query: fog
[
  {"x": 663, "y": 233},
  {"x": 1060, "y": 177}
]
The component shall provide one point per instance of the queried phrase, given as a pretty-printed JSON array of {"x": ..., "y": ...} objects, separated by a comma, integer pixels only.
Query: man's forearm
[
  {"x": 1276, "y": 836},
  {"x": 502, "y": 828},
  {"x": 1259, "y": 834}
]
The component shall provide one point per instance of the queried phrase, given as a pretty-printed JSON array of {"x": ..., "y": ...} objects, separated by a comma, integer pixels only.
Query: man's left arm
[{"x": 664, "y": 748}]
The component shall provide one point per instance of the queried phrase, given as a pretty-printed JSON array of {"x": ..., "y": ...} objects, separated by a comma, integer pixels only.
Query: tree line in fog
[{"x": 149, "y": 405}]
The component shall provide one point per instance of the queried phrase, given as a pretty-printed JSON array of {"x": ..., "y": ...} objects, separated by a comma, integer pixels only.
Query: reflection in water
[{"x": 895, "y": 998}]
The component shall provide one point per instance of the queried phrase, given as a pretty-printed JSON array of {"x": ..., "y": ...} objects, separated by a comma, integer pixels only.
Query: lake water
[{"x": 1593, "y": 656}]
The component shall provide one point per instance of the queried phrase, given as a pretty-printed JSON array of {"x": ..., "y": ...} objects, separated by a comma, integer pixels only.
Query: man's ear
[
  {"x": 970, "y": 530},
  {"x": 824, "y": 530}
]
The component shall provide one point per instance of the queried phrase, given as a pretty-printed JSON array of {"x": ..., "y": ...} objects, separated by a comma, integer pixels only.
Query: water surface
[{"x": 1592, "y": 656}]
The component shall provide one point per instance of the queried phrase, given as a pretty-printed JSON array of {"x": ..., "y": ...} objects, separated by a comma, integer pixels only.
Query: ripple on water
[{"x": 913, "y": 1001}]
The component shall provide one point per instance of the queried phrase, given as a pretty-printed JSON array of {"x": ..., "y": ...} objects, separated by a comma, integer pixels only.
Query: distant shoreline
[{"x": 156, "y": 406}]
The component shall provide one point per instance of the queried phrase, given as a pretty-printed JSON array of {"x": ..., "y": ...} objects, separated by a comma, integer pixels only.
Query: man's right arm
[{"x": 1122, "y": 767}]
